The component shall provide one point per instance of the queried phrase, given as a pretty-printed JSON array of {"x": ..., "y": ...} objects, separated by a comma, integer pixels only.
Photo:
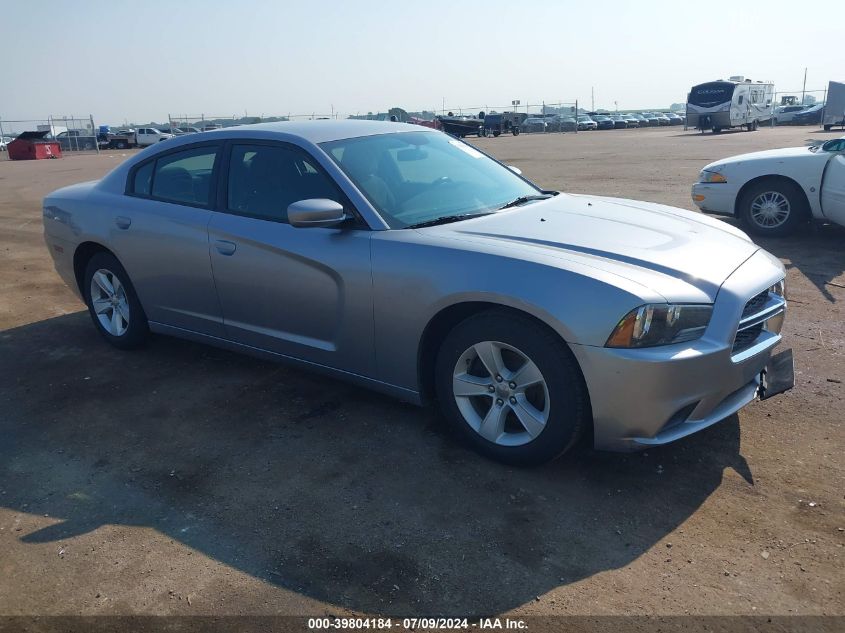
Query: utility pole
[
  {"x": 804, "y": 89},
  {"x": 592, "y": 99}
]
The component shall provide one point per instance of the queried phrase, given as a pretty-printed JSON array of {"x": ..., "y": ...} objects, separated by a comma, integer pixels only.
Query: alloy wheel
[
  {"x": 770, "y": 209},
  {"x": 109, "y": 301},
  {"x": 501, "y": 393}
]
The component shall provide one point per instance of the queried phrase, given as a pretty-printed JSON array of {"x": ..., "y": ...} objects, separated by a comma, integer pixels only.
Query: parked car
[
  {"x": 633, "y": 120},
  {"x": 533, "y": 124},
  {"x": 674, "y": 119},
  {"x": 619, "y": 121},
  {"x": 76, "y": 140},
  {"x": 586, "y": 123},
  {"x": 561, "y": 123},
  {"x": 641, "y": 120},
  {"x": 603, "y": 122},
  {"x": 406, "y": 261},
  {"x": 145, "y": 136},
  {"x": 784, "y": 115},
  {"x": 189, "y": 130},
  {"x": 652, "y": 118},
  {"x": 661, "y": 117},
  {"x": 809, "y": 116},
  {"x": 776, "y": 191}
]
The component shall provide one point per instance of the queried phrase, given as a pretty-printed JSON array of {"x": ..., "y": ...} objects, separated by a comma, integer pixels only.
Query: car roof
[{"x": 320, "y": 131}]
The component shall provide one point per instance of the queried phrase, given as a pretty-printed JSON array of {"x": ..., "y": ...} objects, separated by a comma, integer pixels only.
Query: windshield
[
  {"x": 711, "y": 94},
  {"x": 417, "y": 177}
]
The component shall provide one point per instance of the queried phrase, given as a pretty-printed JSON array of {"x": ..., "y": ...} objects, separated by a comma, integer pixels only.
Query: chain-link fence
[
  {"x": 73, "y": 134},
  {"x": 798, "y": 107},
  {"x": 188, "y": 123}
]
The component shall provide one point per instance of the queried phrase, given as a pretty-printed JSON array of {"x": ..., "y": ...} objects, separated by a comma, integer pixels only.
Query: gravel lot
[{"x": 181, "y": 479}]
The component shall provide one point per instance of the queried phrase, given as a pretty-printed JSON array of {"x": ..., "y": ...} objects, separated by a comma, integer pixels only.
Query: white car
[
  {"x": 785, "y": 114},
  {"x": 775, "y": 191}
]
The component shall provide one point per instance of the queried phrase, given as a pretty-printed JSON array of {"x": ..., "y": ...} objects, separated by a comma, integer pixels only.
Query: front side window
[
  {"x": 184, "y": 177},
  {"x": 265, "y": 179},
  {"x": 417, "y": 177}
]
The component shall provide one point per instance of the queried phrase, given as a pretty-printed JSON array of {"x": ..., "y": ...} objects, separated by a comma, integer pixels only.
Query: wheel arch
[
  {"x": 807, "y": 210},
  {"x": 82, "y": 255},
  {"x": 439, "y": 326}
]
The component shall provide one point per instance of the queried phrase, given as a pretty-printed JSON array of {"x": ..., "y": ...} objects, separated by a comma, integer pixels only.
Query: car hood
[
  {"x": 651, "y": 244},
  {"x": 769, "y": 154}
]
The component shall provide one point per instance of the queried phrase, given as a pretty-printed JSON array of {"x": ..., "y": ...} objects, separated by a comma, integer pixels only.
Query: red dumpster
[{"x": 34, "y": 145}]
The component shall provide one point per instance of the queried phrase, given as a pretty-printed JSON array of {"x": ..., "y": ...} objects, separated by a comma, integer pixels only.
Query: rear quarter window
[{"x": 143, "y": 180}]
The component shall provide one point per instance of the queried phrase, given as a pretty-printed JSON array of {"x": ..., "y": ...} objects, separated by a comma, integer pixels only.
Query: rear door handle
[
  {"x": 123, "y": 222},
  {"x": 225, "y": 248}
]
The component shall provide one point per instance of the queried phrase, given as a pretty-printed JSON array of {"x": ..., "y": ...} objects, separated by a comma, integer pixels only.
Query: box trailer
[{"x": 834, "y": 108}]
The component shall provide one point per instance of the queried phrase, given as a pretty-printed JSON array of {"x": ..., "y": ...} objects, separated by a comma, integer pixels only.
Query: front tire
[
  {"x": 112, "y": 303},
  {"x": 511, "y": 388},
  {"x": 773, "y": 208}
]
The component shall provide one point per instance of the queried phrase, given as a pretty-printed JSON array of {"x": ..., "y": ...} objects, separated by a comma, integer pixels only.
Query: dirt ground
[{"x": 181, "y": 479}]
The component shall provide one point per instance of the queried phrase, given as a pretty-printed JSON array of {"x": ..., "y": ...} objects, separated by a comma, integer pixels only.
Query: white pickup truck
[
  {"x": 150, "y": 136},
  {"x": 775, "y": 191}
]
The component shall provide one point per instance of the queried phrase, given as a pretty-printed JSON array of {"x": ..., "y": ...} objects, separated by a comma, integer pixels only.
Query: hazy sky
[{"x": 141, "y": 60}]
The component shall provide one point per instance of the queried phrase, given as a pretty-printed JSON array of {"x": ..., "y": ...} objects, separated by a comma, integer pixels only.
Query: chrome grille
[
  {"x": 755, "y": 304},
  {"x": 755, "y": 319}
]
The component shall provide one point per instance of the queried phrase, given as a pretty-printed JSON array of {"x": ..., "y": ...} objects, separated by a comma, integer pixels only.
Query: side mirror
[
  {"x": 317, "y": 212},
  {"x": 515, "y": 170},
  {"x": 834, "y": 145}
]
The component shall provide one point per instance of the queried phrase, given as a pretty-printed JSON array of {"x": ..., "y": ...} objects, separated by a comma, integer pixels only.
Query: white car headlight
[
  {"x": 711, "y": 176},
  {"x": 660, "y": 324}
]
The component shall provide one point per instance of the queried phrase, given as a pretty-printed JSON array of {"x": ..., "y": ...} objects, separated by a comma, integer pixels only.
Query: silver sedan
[{"x": 409, "y": 262}]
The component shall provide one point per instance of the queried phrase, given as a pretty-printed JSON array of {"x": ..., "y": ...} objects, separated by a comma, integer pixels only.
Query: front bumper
[
  {"x": 653, "y": 396},
  {"x": 717, "y": 197}
]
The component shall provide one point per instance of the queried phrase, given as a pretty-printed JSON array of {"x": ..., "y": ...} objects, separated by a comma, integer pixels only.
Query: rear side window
[
  {"x": 181, "y": 177},
  {"x": 265, "y": 179}
]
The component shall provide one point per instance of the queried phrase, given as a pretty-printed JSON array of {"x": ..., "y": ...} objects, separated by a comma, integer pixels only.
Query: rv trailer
[
  {"x": 720, "y": 105},
  {"x": 834, "y": 107}
]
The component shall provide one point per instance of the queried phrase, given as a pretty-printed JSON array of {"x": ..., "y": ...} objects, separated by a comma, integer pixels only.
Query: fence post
[{"x": 95, "y": 133}]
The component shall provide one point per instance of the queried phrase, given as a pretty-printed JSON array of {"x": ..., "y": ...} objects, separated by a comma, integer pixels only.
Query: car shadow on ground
[
  {"x": 815, "y": 251},
  {"x": 315, "y": 485}
]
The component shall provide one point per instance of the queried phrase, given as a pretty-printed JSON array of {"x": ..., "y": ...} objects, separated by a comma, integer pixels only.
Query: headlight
[
  {"x": 660, "y": 324},
  {"x": 711, "y": 176}
]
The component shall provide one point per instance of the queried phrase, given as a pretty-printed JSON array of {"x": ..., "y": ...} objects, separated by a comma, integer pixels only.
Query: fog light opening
[{"x": 680, "y": 416}]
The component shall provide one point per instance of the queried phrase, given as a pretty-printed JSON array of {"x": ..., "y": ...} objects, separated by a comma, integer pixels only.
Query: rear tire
[
  {"x": 773, "y": 208},
  {"x": 112, "y": 303},
  {"x": 530, "y": 407}
]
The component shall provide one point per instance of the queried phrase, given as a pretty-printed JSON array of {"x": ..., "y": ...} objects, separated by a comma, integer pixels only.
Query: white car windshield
[{"x": 415, "y": 178}]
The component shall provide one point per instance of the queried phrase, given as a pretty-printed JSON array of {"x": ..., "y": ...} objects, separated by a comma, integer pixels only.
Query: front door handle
[
  {"x": 123, "y": 222},
  {"x": 225, "y": 248}
]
